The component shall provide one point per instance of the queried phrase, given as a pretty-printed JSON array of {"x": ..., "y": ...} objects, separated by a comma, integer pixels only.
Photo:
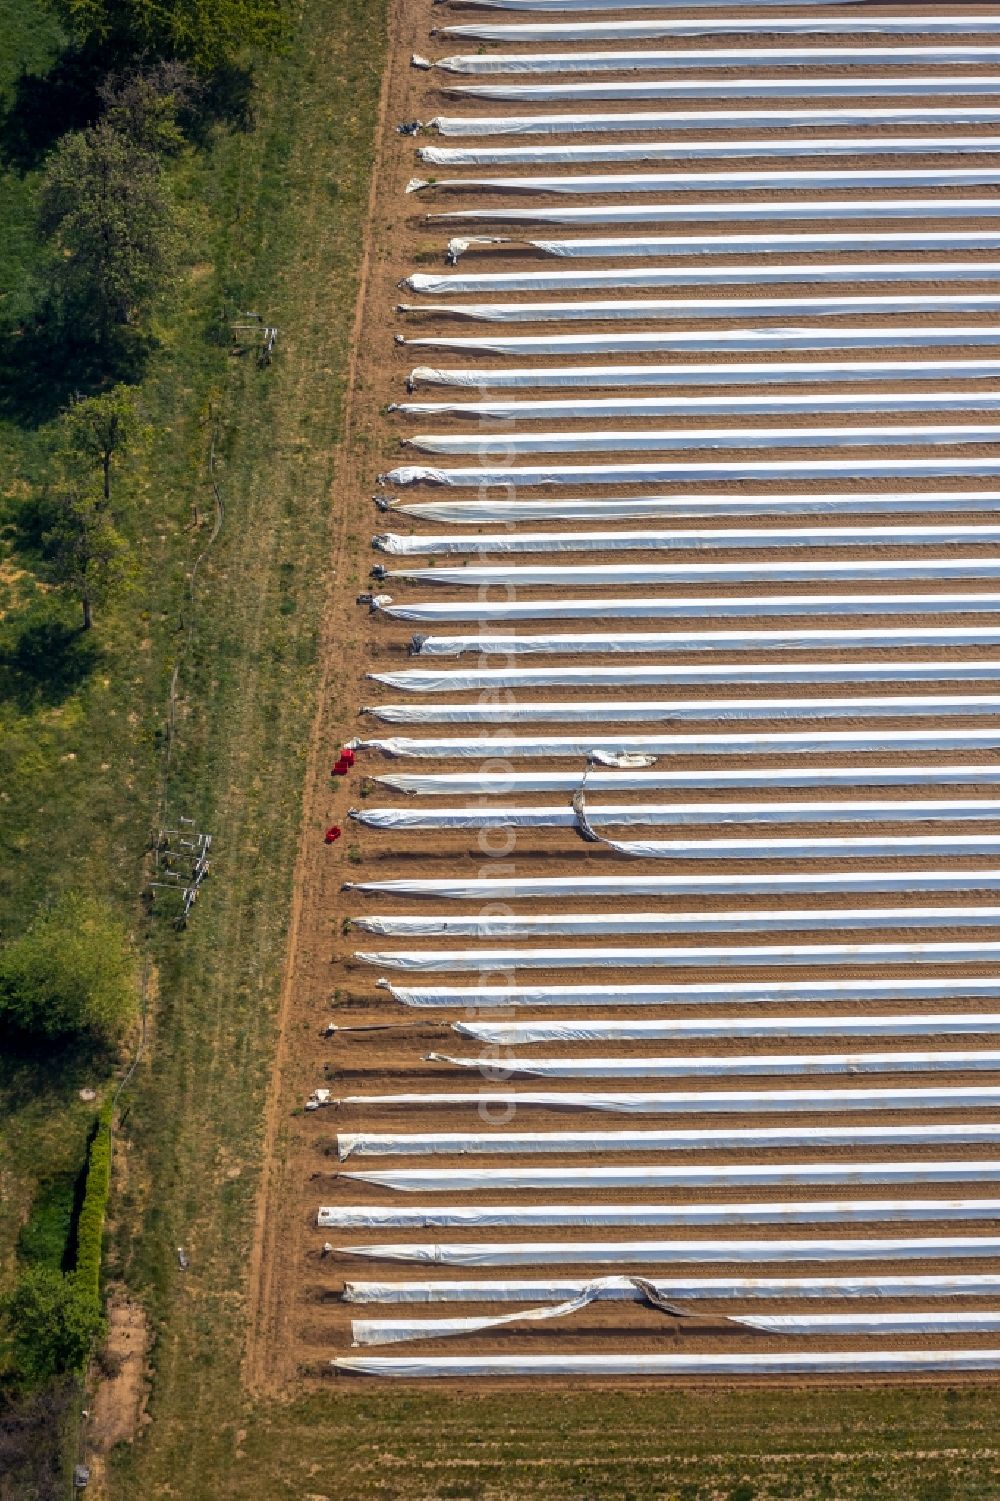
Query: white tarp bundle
[
  {"x": 910, "y": 535},
  {"x": 854, "y": 403},
  {"x": 813, "y": 742},
  {"x": 818, "y": 741},
  {"x": 595, "y": 924},
  {"x": 647, "y": 29},
  {"x": 830, "y": 210},
  {"x": 811, "y": 992},
  {"x": 743, "y": 1175},
  {"x": 632, "y": 642},
  {"x": 705, "y": 1102},
  {"x": 709, "y": 307},
  {"x": 636, "y": 607},
  {"x": 639, "y": 674},
  {"x": 365, "y": 1332},
  {"x": 713, "y": 119},
  {"x": 519, "y": 887},
  {"x": 752, "y": 1066},
  {"x": 635, "y": 60},
  {"x": 596, "y": 1029},
  {"x": 690, "y": 814},
  {"x": 503, "y": 781},
  {"x": 720, "y": 340},
  {"x": 850, "y": 1211},
  {"x": 660, "y": 151},
  {"x": 778, "y": 180},
  {"x": 850, "y": 1363},
  {"x": 681, "y": 1289},
  {"x": 747, "y": 373},
  {"x": 442, "y": 961},
  {"x": 657, "y": 711},
  {"x": 858, "y": 86},
  {"x": 753, "y": 1138}
]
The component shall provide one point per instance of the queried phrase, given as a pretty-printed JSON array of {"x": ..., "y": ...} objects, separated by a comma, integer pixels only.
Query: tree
[
  {"x": 71, "y": 974},
  {"x": 95, "y": 428},
  {"x": 89, "y": 556},
  {"x": 53, "y": 1322},
  {"x": 210, "y": 34},
  {"x": 146, "y": 104},
  {"x": 111, "y": 225}
]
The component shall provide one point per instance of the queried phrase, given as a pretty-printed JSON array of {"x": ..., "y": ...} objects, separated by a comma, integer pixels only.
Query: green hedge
[{"x": 90, "y": 1225}]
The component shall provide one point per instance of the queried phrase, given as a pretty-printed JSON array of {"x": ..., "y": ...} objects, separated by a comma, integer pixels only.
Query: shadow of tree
[
  {"x": 44, "y": 657},
  {"x": 51, "y": 358},
  {"x": 45, "y": 105}
]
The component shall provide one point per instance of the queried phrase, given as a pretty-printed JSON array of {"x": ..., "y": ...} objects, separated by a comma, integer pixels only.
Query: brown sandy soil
[{"x": 299, "y": 1320}]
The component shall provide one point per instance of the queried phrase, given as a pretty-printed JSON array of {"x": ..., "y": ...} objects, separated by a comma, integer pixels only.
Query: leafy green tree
[
  {"x": 71, "y": 974},
  {"x": 53, "y": 1322},
  {"x": 147, "y": 104},
  {"x": 88, "y": 554},
  {"x": 207, "y": 33},
  {"x": 95, "y": 428},
  {"x": 111, "y": 225}
]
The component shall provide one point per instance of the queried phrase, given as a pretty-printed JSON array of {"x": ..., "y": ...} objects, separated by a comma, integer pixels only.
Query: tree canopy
[
  {"x": 53, "y": 1322},
  {"x": 207, "y": 33},
  {"x": 71, "y": 974}
]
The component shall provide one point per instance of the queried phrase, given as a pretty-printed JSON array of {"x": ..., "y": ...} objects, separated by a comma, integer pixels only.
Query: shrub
[
  {"x": 53, "y": 1322},
  {"x": 71, "y": 974}
]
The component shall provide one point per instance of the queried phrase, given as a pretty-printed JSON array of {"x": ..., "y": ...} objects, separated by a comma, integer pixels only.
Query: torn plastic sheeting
[
  {"x": 486, "y": 925},
  {"x": 858, "y": 86},
  {"x": 658, "y": 151},
  {"x": 869, "y": 811},
  {"x": 755, "y": 1175},
  {"x": 638, "y": 608},
  {"x": 757, "y": 1066},
  {"x": 719, "y": 341},
  {"x": 708, "y": 307},
  {"x": 528, "y": 1143},
  {"x": 515, "y": 887},
  {"x": 682, "y": 1289},
  {"x": 858, "y": 1211},
  {"x": 661, "y": 711},
  {"x": 574, "y": 31},
  {"x": 443, "y": 961},
  {"x": 850, "y": 1363},
  {"x": 451, "y": 126},
  {"x": 911, "y": 535},
  {"x": 613, "y": 376},
  {"x": 650, "y": 60},
  {"x": 776, "y": 180},
  {"x": 704, "y": 1102},
  {"x": 831, "y": 211},
  {"x": 598, "y": 1029},
  {"x": 695, "y": 406},
  {"x": 639, "y": 642},
  {"x": 811, "y": 992},
  {"x": 812, "y": 742}
]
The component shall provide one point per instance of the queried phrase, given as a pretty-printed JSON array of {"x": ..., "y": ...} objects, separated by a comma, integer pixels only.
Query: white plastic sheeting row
[
  {"x": 800, "y": 243},
  {"x": 830, "y": 210},
  {"x": 681, "y": 1289},
  {"x": 797, "y": 743},
  {"x": 851, "y": 1211},
  {"x": 652, "y": 276},
  {"x": 441, "y": 961},
  {"x": 366, "y": 1332},
  {"x": 747, "y": 373},
  {"x": 572, "y": 31},
  {"x": 583, "y": 5},
  {"x": 501, "y": 781},
  {"x": 636, "y": 60},
  {"x": 691, "y": 814},
  {"x": 828, "y": 882},
  {"x": 850, "y": 1363},
  {"x": 713, "y": 119},
  {"x": 779, "y": 180},
  {"x": 611, "y": 309},
  {"x": 631, "y": 642},
  {"x": 673, "y": 439},
  {"x": 594, "y": 924},
  {"x": 657, "y": 711},
  {"x": 721, "y": 341},
  {"x": 598, "y": 1029},
  {"x": 705, "y": 1102},
  {"x": 574, "y": 409},
  {"x": 660, "y": 151},
  {"x": 640, "y": 674},
  {"x": 753, "y": 1066},
  {"x": 738, "y": 1138},
  {"x": 742, "y": 1175},
  {"x": 675, "y": 540},
  {"x": 811, "y": 992},
  {"x": 637, "y": 607},
  {"x": 859, "y": 86}
]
